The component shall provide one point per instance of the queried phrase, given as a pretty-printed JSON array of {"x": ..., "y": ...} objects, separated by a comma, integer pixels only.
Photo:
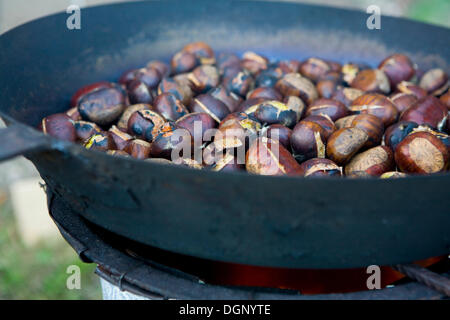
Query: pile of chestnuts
[{"x": 307, "y": 118}]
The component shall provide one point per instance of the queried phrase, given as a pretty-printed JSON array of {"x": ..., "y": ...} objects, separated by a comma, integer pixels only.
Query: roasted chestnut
[
  {"x": 138, "y": 92},
  {"x": 266, "y": 93},
  {"x": 445, "y": 99},
  {"x": 121, "y": 139},
  {"x": 180, "y": 91},
  {"x": 346, "y": 95},
  {"x": 421, "y": 153},
  {"x": 398, "y": 68},
  {"x": 86, "y": 129},
  {"x": 411, "y": 88},
  {"x": 197, "y": 124},
  {"x": 318, "y": 167},
  {"x": 435, "y": 82},
  {"x": 75, "y": 101},
  {"x": 325, "y": 122},
  {"x": 59, "y": 126},
  {"x": 167, "y": 105},
  {"x": 373, "y": 162},
  {"x": 150, "y": 76},
  {"x": 372, "y": 80},
  {"x": 122, "y": 124},
  {"x": 326, "y": 88},
  {"x": 210, "y": 105},
  {"x": 344, "y": 143},
  {"x": 101, "y": 141},
  {"x": 202, "y": 51},
  {"x": 267, "y": 157},
  {"x": 171, "y": 139},
  {"x": 279, "y": 133},
  {"x": 271, "y": 112},
  {"x": 428, "y": 110},
  {"x": 226, "y": 59},
  {"x": 377, "y": 105},
  {"x": 74, "y": 114},
  {"x": 183, "y": 62},
  {"x": 370, "y": 124},
  {"x": 293, "y": 84},
  {"x": 403, "y": 101},
  {"x": 349, "y": 72},
  {"x": 314, "y": 68},
  {"x": 397, "y": 132},
  {"x": 231, "y": 100},
  {"x": 308, "y": 141},
  {"x": 163, "y": 68},
  {"x": 332, "y": 108},
  {"x": 240, "y": 84},
  {"x": 228, "y": 163},
  {"x": 138, "y": 149},
  {"x": 254, "y": 62},
  {"x": 204, "y": 78},
  {"x": 145, "y": 124},
  {"x": 102, "y": 106},
  {"x": 268, "y": 78},
  {"x": 288, "y": 66}
]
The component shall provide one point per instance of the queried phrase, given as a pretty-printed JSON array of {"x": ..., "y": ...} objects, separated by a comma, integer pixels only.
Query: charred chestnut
[
  {"x": 293, "y": 84},
  {"x": 272, "y": 112},
  {"x": 122, "y": 124},
  {"x": 145, "y": 124},
  {"x": 397, "y": 68},
  {"x": 180, "y": 91},
  {"x": 373, "y": 162},
  {"x": 344, "y": 143},
  {"x": 318, "y": 167},
  {"x": 169, "y": 107},
  {"x": 59, "y": 126},
  {"x": 377, "y": 105},
  {"x": 267, "y": 157},
  {"x": 332, "y": 108},
  {"x": 236, "y": 130},
  {"x": 240, "y": 84},
  {"x": 169, "y": 139},
  {"x": 372, "y": 80},
  {"x": 421, "y": 153},
  {"x": 102, "y": 106}
]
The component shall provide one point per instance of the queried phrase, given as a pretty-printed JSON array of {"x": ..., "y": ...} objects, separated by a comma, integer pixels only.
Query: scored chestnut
[
  {"x": 435, "y": 82},
  {"x": 370, "y": 124},
  {"x": 308, "y": 141},
  {"x": 344, "y": 143},
  {"x": 167, "y": 105},
  {"x": 204, "y": 78},
  {"x": 202, "y": 51},
  {"x": 314, "y": 68},
  {"x": 59, "y": 126},
  {"x": 267, "y": 157},
  {"x": 373, "y": 162},
  {"x": 332, "y": 108},
  {"x": 149, "y": 76},
  {"x": 240, "y": 83},
  {"x": 183, "y": 61},
  {"x": 179, "y": 90},
  {"x": 138, "y": 149},
  {"x": 254, "y": 62},
  {"x": 228, "y": 163},
  {"x": 279, "y": 133},
  {"x": 210, "y": 105},
  {"x": 318, "y": 167},
  {"x": 346, "y": 95},
  {"x": 101, "y": 141},
  {"x": 145, "y": 124},
  {"x": 403, "y": 101},
  {"x": 266, "y": 93},
  {"x": 122, "y": 124},
  {"x": 293, "y": 84},
  {"x": 75, "y": 101},
  {"x": 86, "y": 129},
  {"x": 272, "y": 112},
  {"x": 371, "y": 80},
  {"x": 397, "y": 67},
  {"x": 325, "y": 122},
  {"x": 230, "y": 99},
  {"x": 171, "y": 138},
  {"x": 197, "y": 123},
  {"x": 421, "y": 153},
  {"x": 121, "y": 139},
  {"x": 377, "y": 105}
]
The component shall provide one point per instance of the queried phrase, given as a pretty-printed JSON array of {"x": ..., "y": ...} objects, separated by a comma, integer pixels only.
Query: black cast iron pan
[{"x": 267, "y": 221}]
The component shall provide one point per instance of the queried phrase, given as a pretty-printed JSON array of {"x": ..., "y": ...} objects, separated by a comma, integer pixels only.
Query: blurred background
[{"x": 33, "y": 256}]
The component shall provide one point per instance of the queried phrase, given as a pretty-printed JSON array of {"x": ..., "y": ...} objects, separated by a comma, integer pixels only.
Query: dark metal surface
[
  {"x": 154, "y": 281},
  {"x": 256, "y": 220}
]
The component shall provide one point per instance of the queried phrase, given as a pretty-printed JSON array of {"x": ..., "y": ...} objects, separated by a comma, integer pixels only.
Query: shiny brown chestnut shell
[
  {"x": 162, "y": 67},
  {"x": 293, "y": 84},
  {"x": 397, "y": 67},
  {"x": 370, "y": 124},
  {"x": 318, "y": 167},
  {"x": 372, "y": 80},
  {"x": 332, "y": 108},
  {"x": 288, "y": 66},
  {"x": 395, "y": 133},
  {"x": 236, "y": 130},
  {"x": 314, "y": 68},
  {"x": 428, "y": 110},
  {"x": 167, "y": 105},
  {"x": 226, "y": 59},
  {"x": 403, "y": 101},
  {"x": 240, "y": 83},
  {"x": 59, "y": 126},
  {"x": 182, "y": 92},
  {"x": 149, "y": 76},
  {"x": 308, "y": 141},
  {"x": 122, "y": 124},
  {"x": 344, "y": 143},
  {"x": 373, "y": 162},
  {"x": 377, "y": 105},
  {"x": 103, "y": 106},
  {"x": 101, "y": 141},
  {"x": 325, "y": 122},
  {"x": 435, "y": 82},
  {"x": 138, "y": 149},
  {"x": 421, "y": 153},
  {"x": 254, "y": 62},
  {"x": 326, "y": 88},
  {"x": 267, "y": 157},
  {"x": 266, "y": 93},
  {"x": 145, "y": 124},
  {"x": 204, "y": 78},
  {"x": 202, "y": 51},
  {"x": 210, "y": 105},
  {"x": 85, "y": 129}
]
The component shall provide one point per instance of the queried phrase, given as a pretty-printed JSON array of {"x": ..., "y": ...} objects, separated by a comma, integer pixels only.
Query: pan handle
[{"x": 19, "y": 139}]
